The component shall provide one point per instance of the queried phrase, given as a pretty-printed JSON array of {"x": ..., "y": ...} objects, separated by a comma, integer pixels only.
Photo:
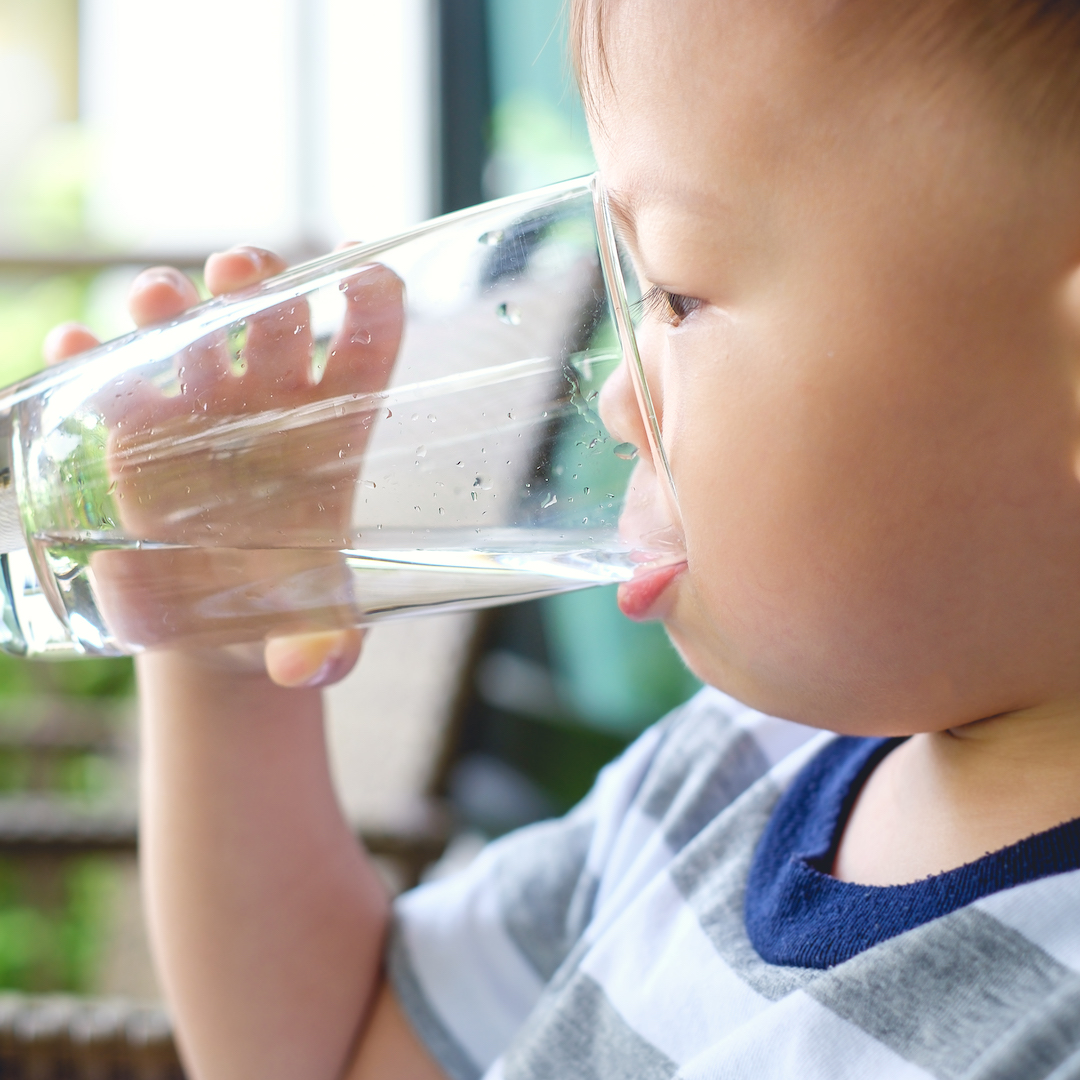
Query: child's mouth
[{"x": 639, "y": 595}]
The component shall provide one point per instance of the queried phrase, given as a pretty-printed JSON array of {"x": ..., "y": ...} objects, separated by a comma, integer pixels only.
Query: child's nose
[{"x": 620, "y": 410}]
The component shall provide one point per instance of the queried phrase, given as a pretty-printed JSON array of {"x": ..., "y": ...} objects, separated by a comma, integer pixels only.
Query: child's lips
[{"x": 639, "y": 595}]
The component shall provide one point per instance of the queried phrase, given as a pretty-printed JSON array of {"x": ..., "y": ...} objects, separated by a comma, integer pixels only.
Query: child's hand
[{"x": 243, "y": 501}]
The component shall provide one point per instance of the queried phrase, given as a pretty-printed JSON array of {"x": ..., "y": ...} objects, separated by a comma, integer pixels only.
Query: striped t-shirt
[{"x": 613, "y": 943}]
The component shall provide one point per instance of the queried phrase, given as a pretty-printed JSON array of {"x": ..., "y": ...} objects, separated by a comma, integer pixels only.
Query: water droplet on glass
[
  {"x": 477, "y": 482},
  {"x": 421, "y": 451},
  {"x": 441, "y": 511},
  {"x": 509, "y": 314},
  {"x": 586, "y": 491},
  {"x": 417, "y": 509},
  {"x": 510, "y": 415},
  {"x": 584, "y": 521},
  {"x": 473, "y": 495},
  {"x": 593, "y": 396},
  {"x": 388, "y": 414},
  {"x": 626, "y": 451},
  {"x": 432, "y": 417},
  {"x": 551, "y": 500},
  {"x": 415, "y": 416},
  {"x": 361, "y": 337},
  {"x": 367, "y": 483},
  {"x": 341, "y": 454},
  {"x": 493, "y": 237},
  {"x": 461, "y": 464},
  {"x": 111, "y": 488}
]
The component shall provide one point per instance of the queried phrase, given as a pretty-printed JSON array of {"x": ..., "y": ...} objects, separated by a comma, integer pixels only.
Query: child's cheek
[{"x": 757, "y": 501}]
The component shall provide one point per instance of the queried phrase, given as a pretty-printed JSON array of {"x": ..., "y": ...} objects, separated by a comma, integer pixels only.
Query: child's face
[{"x": 872, "y": 416}]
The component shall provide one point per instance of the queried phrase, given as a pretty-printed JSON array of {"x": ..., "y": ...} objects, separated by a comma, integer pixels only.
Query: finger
[
  {"x": 278, "y": 350},
  {"x": 277, "y": 354},
  {"x": 207, "y": 367},
  {"x": 312, "y": 660},
  {"x": 67, "y": 339},
  {"x": 227, "y": 271},
  {"x": 160, "y": 293},
  {"x": 362, "y": 354}
]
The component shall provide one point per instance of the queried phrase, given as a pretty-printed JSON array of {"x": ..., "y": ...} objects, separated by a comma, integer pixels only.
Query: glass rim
[{"x": 611, "y": 266}]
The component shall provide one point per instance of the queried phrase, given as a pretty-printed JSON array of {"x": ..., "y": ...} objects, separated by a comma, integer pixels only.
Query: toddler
[{"x": 860, "y": 226}]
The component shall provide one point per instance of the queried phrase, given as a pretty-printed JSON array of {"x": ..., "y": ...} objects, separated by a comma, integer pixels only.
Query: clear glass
[{"x": 403, "y": 427}]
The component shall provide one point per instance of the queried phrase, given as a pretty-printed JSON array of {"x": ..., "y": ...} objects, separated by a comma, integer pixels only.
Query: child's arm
[{"x": 266, "y": 916}]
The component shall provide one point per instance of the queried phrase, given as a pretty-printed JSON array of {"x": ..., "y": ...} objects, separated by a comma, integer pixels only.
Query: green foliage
[
  {"x": 84, "y": 776},
  {"x": 54, "y": 912},
  {"x": 90, "y": 678},
  {"x": 49, "y": 193},
  {"x": 51, "y": 920},
  {"x": 29, "y": 309}
]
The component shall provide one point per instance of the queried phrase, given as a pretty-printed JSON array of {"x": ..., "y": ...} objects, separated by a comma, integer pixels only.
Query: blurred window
[
  {"x": 135, "y": 132},
  {"x": 538, "y": 132}
]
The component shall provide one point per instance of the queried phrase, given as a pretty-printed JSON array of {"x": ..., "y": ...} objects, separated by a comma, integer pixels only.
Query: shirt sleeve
[{"x": 469, "y": 956}]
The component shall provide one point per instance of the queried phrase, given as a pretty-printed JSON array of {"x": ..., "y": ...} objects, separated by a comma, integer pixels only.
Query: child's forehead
[
  {"x": 1019, "y": 56},
  {"x": 682, "y": 103},
  {"x": 708, "y": 65}
]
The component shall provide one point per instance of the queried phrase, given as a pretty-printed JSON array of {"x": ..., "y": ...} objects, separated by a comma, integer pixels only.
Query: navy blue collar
[{"x": 799, "y": 916}]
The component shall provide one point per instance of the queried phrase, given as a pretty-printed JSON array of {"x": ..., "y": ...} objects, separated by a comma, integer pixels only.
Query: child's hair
[{"x": 1029, "y": 48}]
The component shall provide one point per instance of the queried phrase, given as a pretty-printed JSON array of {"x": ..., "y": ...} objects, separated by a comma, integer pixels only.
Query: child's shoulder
[{"x": 705, "y": 754}]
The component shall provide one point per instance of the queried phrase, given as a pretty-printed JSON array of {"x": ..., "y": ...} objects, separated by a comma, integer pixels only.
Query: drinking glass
[{"x": 402, "y": 427}]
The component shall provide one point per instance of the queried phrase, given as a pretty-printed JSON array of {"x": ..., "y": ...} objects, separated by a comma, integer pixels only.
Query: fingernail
[
  {"x": 323, "y": 674},
  {"x": 254, "y": 255},
  {"x": 162, "y": 275}
]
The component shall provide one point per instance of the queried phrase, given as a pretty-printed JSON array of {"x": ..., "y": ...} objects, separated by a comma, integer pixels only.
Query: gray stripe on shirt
[
  {"x": 581, "y": 1036},
  {"x": 945, "y": 994},
  {"x": 704, "y": 764},
  {"x": 1043, "y": 1044},
  {"x": 711, "y": 874},
  {"x": 545, "y": 893},
  {"x": 442, "y": 1046}
]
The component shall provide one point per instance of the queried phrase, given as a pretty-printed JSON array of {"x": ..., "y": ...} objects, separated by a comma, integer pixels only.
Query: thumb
[{"x": 312, "y": 660}]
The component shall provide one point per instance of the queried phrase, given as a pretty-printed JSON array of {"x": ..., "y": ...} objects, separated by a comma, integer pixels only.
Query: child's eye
[{"x": 667, "y": 306}]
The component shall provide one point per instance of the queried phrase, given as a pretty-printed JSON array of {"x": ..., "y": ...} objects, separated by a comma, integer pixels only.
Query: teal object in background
[
  {"x": 538, "y": 132},
  {"x": 615, "y": 675}
]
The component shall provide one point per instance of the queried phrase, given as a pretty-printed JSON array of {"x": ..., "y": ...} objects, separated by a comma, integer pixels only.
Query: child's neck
[{"x": 944, "y": 799}]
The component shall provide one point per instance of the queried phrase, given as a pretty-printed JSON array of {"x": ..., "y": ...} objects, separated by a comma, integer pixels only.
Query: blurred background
[{"x": 139, "y": 132}]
